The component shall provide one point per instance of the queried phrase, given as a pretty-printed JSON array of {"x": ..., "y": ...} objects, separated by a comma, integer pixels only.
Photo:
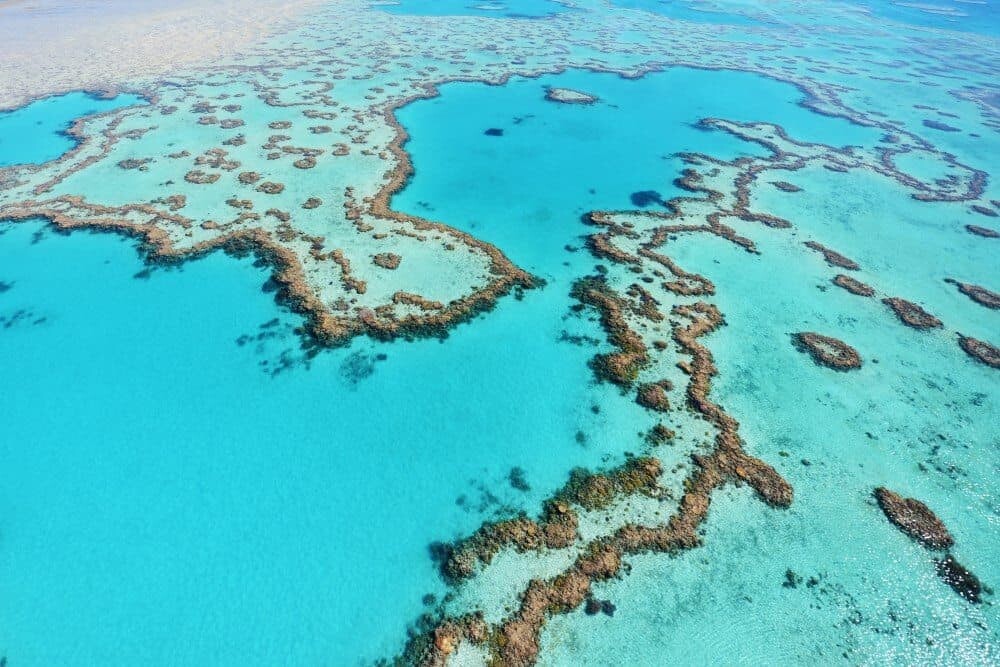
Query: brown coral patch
[
  {"x": 980, "y": 350},
  {"x": 653, "y": 396},
  {"x": 410, "y": 299},
  {"x": 133, "y": 163},
  {"x": 911, "y": 314},
  {"x": 852, "y": 285},
  {"x": 621, "y": 367},
  {"x": 827, "y": 351},
  {"x": 312, "y": 202},
  {"x": 980, "y": 295},
  {"x": 832, "y": 257},
  {"x": 173, "y": 202},
  {"x": 660, "y": 434},
  {"x": 249, "y": 177},
  {"x": 556, "y": 529},
  {"x": 600, "y": 245},
  {"x": 269, "y": 188},
  {"x": 785, "y": 186},
  {"x": 199, "y": 177},
  {"x": 387, "y": 260},
  {"x": 914, "y": 518},
  {"x": 985, "y": 232}
]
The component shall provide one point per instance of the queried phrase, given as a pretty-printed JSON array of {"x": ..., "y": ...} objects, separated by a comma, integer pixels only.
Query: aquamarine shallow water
[
  {"x": 37, "y": 132},
  {"x": 525, "y": 190},
  {"x": 528, "y": 9},
  {"x": 690, "y": 10},
  {"x": 197, "y": 508}
]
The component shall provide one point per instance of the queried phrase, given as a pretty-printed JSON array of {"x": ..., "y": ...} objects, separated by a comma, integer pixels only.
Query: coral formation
[
  {"x": 914, "y": 518},
  {"x": 980, "y": 295},
  {"x": 832, "y": 257},
  {"x": 980, "y": 350},
  {"x": 911, "y": 314},
  {"x": 387, "y": 260},
  {"x": 569, "y": 96},
  {"x": 827, "y": 351},
  {"x": 961, "y": 580},
  {"x": 852, "y": 285}
]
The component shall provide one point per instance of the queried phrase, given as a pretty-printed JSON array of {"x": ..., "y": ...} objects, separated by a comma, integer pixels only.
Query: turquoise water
[
  {"x": 201, "y": 508},
  {"x": 37, "y": 132},
  {"x": 573, "y": 159},
  {"x": 530, "y": 9},
  {"x": 698, "y": 11},
  {"x": 976, "y": 17}
]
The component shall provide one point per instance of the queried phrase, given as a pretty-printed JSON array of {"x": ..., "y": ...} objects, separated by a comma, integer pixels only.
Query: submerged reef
[
  {"x": 914, "y": 518},
  {"x": 827, "y": 351},
  {"x": 853, "y": 285},
  {"x": 980, "y": 295},
  {"x": 832, "y": 257},
  {"x": 985, "y": 232},
  {"x": 980, "y": 350},
  {"x": 569, "y": 96},
  {"x": 911, "y": 314},
  {"x": 961, "y": 580}
]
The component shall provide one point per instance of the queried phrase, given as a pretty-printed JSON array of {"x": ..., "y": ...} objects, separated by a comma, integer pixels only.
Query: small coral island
[
  {"x": 914, "y": 518},
  {"x": 568, "y": 96},
  {"x": 827, "y": 351}
]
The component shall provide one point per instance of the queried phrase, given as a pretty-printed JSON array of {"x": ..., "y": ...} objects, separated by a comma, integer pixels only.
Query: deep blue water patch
[{"x": 36, "y": 133}]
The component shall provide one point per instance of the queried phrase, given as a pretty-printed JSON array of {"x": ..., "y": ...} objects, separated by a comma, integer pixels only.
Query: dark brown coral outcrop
[
  {"x": 827, "y": 351},
  {"x": 914, "y": 518},
  {"x": 853, "y": 285},
  {"x": 911, "y": 314}
]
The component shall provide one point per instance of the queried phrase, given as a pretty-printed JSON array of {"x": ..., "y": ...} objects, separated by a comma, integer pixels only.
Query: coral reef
[
  {"x": 387, "y": 260},
  {"x": 827, "y": 351},
  {"x": 653, "y": 395},
  {"x": 569, "y": 96},
  {"x": 911, "y": 314},
  {"x": 980, "y": 350},
  {"x": 621, "y": 367},
  {"x": 980, "y": 295},
  {"x": 832, "y": 257},
  {"x": 914, "y": 518},
  {"x": 961, "y": 580},
  {"x": 985, "y": 232},
  {"x": 852, "y": 285}
]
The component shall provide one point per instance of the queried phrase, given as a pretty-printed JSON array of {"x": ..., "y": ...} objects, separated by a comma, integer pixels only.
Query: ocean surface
[{"x": 185, "y": 480}]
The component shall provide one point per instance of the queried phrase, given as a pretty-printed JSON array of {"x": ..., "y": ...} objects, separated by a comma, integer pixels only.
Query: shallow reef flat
[{"x": 771, "y": 250}]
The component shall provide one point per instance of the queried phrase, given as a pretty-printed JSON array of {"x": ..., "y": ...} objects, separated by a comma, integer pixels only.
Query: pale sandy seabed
[{"x": 53, "y": 46}]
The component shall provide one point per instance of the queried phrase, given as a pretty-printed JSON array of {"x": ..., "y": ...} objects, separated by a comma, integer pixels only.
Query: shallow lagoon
[
  {"x": 37, "y": 132},
  {"x": 527, "y": 9}
]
